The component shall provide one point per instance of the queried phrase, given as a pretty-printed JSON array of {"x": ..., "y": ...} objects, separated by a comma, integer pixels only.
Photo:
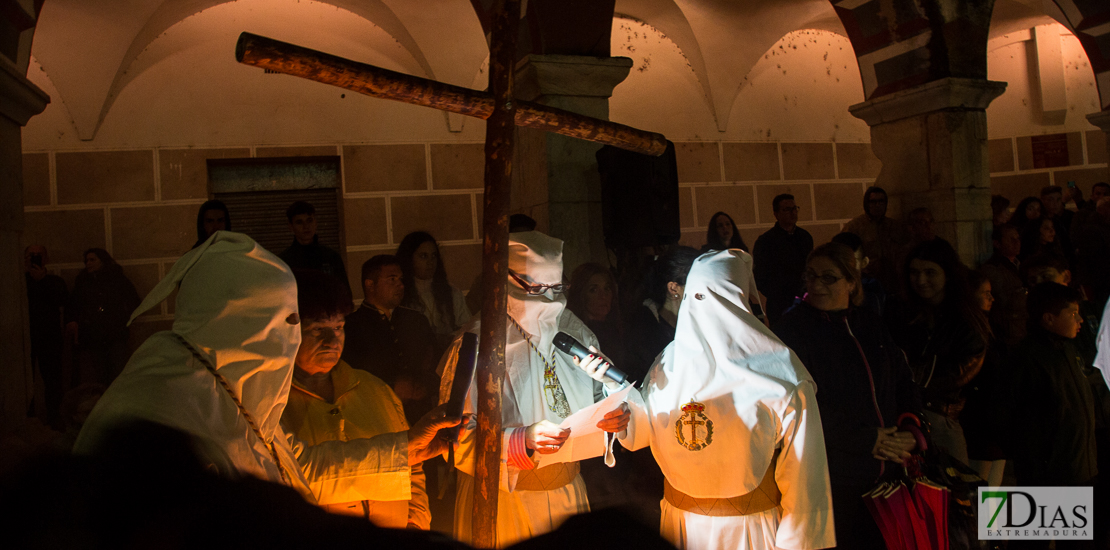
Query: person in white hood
[
  {"x": 542, "y": 387},
  {"x": 222, "y": 375},
  {"x": 734, "y": 424}
]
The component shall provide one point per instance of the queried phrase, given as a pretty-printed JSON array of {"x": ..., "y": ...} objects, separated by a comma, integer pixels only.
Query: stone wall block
[
  {"x": 1001, "y": 155},
  {"x": 698, "y": 162},
  {"x": 446, "y": 217},
  {"x": 105, "y": 176},
  {"x": 752, "y": 162},
  {"x": 36, "y": 179},
  {"x": 144, "y": 277},
  {"x": 838, "y": 201},
  {"x": 1019, "y": 186},
  {"x": 765, "y": 194},
  {"x": 898, "y": 146},
  {"x": 1084, "y": 178},
  {"x": 302, "y": 151},
  {"x": 856, "y": 160},
  {"x": 355, "y": 259},
  {"x": 807, "y": 161},
  {"x": 184, "y": 172},
  {"x": 463, "y": 263},
  {"x": 153, "y": 231},
  {"x": 458, "y": 166},
  {"x": 66, "y": 234},
  {"x": 384, "y": 168},
  {"x": 364, "y": 221},
  {"x": 821, "y": 232},
  {"x": 694, "y": 237},
  {"x": 734, "y": 200}
]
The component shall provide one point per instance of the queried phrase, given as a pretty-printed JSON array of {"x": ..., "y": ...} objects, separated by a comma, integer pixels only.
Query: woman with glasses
[
  {"x": 542, "y": 387},
  {"x": 863, "y": 381}
]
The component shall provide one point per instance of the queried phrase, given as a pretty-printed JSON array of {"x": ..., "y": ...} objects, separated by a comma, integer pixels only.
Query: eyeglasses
[
  {"x": 825, "y": 279},
  {"x": 791, "y": 209},
  {"x": 536, "y": 290}
]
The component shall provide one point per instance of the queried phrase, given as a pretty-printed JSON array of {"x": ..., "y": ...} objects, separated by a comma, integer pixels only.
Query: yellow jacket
[{"x": 364, "y": 407}]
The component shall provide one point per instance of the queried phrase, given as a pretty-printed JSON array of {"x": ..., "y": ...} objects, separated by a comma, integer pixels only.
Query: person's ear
[
  {"x": 1067, "y": 277},
  {"x": 1047, "y": 319},
  {"x": 866, "y": 262},
  {"x": 673, "y": 289}
]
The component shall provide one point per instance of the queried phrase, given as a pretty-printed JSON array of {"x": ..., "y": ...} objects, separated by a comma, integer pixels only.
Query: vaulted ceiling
[{"x": 91, "y": 51}]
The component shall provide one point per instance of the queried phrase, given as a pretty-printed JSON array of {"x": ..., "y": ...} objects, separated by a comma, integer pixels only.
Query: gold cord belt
[{"x": 765, "y": 497}]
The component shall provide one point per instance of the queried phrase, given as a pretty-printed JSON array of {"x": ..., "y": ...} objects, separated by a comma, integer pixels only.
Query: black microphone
[{"x": 568, "y": 345}]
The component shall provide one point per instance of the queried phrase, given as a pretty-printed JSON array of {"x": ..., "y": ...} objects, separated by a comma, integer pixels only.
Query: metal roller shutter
[
  {"x": 257, "y": 191},
  {"x": 261, "y": 214}
]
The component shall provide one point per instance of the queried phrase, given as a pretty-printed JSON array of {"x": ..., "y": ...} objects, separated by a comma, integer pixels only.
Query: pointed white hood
[
  {"x": 724, "y": 358},
  {"x": 233, "y": 301}
]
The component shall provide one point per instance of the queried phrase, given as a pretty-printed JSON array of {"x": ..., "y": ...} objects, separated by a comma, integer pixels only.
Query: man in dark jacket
[
  {"x": 392, "y": 342},
  {"x": 46, "y": 297},
  {"x": 779, "y": 257},
  {"x": 1007, "y": 316},
  {"x": 1052, "y": 406},
  {"x": 306, "y": 252}
]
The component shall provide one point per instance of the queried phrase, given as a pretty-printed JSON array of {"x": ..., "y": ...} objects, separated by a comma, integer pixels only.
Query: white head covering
[
  {"x": 538, "y": 259},
  {"x": 724, "y": 358},
  {"x": 232, "y": 304}
]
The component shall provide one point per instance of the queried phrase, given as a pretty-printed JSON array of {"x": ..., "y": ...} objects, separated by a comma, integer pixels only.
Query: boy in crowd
[{"x": 1053, "y": 407}]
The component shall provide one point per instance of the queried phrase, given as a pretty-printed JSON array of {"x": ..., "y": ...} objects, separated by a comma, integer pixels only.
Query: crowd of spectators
[{"x": 887, "y": 318}]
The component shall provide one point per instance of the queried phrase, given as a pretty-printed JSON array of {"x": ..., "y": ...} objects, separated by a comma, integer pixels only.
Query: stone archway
[
  {"x": 924, "y": 66},
  {"x": 1089, "y": 20}
]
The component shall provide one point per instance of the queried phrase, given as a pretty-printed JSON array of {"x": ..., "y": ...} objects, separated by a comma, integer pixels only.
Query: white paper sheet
[{"x": 586, "y": 439}]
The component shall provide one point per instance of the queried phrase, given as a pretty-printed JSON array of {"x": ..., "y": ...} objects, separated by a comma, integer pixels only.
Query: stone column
[
  {"x": 932, "y": 142},
  {"x": 556, "y": 179},
  {"x": 1102, "y": 120},
  {"x": 19, "y": 101}
]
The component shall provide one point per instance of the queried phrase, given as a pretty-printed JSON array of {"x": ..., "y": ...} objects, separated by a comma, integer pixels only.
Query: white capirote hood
[
  {"x": 233, "y": 301},
  {"x": 726, "y": 359}
]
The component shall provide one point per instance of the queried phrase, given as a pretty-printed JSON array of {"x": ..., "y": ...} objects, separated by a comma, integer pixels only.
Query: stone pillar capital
[
  {"x": 1100, "y": 119},
  {"x": 21, "y": 99},
  {"x": 944, "y": 94},
  {"x": 569, "y": 75}
]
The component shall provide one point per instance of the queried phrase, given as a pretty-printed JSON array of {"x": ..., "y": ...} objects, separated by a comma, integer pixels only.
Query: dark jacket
[
  {"x": 45, "y": 299},
  {"x": 397, "y": 349},
  {"x": 778, "y": 262},
  {"x": 1052, "y": 413},
  {"x": 316, "y": 256},
  {"x": 1008, "y": 313},
  {"x": 945, "y": 353},
  {"x": 848, "y": 353},
  {"x": 101, "y": 303},
  {"x": 647, "y": 335}
]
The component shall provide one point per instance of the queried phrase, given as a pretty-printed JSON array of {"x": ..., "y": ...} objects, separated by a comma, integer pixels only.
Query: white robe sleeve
[
  {"x": 802, "y": 475},
  {"x": 1102, "y": 358},
  {"x": 360, "y": 469}
]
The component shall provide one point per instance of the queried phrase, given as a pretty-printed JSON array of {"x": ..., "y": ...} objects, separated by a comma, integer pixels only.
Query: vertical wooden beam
[{"x": 495, "y": 257}]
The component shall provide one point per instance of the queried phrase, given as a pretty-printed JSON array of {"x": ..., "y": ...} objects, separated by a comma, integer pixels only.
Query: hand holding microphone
[{"x": 590, "y": 360}]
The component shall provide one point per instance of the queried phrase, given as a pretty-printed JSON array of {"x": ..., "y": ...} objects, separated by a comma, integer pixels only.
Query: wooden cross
[{"x": 502, "y": 113}]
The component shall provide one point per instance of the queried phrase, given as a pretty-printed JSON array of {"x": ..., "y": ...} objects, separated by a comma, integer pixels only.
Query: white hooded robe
[
  {"x": 759, "y": 398},
  {"x": 523, "y": 514},
  {"x": 233, "y": 301}
]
